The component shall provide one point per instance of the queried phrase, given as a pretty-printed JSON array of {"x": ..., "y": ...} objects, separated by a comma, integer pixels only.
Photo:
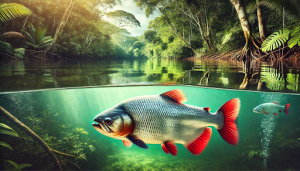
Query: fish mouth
[
  {"x": 96, "y": 125},
  {"x": 101, "y": 127}
]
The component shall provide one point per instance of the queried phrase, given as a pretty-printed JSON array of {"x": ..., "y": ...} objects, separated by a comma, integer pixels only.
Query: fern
[
  {"x": 10, "y": 11},
  {"x": 295, "y": 37},
  {"x": 275, "y": 40}
]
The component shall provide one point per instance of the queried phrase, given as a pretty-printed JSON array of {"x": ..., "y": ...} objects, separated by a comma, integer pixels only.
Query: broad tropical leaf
[
  {"x": 6, "y": 145},
  {"x": 10, "y": 11},
  {"x": 37, "y": 38},
  {"x": 295, "y": 37},
  {"x": 275, "y": 40}
]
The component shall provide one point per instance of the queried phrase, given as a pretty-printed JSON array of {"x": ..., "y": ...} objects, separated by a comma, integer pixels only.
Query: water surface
[{"x": 35, "y": 74}]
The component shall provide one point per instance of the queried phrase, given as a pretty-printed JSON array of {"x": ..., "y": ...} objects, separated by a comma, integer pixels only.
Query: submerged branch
[
  {"x": 61, "y": 153},
  {"x": 23, "y": 127}
]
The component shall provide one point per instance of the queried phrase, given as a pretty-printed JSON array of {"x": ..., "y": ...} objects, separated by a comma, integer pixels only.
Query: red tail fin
[
  {"x": 229, "y": 131},
  {"x": 286, "y": 110}
]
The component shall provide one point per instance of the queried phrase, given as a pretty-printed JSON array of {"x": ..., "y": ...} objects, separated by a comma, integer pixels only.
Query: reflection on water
[{"x": 255, "y": 75}]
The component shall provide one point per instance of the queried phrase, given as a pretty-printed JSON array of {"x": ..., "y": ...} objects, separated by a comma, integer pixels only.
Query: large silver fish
[{"x": 163, "y": 119}]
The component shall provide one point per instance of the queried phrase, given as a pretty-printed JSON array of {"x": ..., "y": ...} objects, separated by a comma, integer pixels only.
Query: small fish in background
[
  {"x": 163, "y": 119},
  {"x": 273, "y": 107}
]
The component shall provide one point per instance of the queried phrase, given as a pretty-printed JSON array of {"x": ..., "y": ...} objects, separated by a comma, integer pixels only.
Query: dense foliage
[{"x": 185, "y": 28}]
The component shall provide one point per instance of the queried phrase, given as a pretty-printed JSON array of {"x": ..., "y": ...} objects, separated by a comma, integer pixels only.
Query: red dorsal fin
[
  {"x": 207, "y": 109},
  {"x": 199, "y": 144},
  {"x": 276, "y": 102},
  {"x": 176, "y": 95},
  {"x": 127, "y": 144},
  {"x": 169, "y": 147}
]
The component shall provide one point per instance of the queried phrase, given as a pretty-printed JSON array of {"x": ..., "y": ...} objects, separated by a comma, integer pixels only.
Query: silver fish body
[
  {"x": 160, "y": 119},
  {"x": 163, "y": 119}
]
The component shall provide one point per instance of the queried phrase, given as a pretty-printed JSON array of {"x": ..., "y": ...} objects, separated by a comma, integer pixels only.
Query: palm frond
[
  {"x": 291, "y": 10},
  {"x": 295, "y": 37},
  {"x": 275, "y": 40},
  {"x": 10, "y": 11}
]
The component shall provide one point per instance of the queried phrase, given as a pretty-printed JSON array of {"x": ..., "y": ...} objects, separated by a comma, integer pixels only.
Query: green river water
[{"x": 63, "y": 119}]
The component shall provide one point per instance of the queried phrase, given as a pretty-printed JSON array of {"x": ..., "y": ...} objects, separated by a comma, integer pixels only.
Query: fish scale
[{"x": 161, "y": 119}]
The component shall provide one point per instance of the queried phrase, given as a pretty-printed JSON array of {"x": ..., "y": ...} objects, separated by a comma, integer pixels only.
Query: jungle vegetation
[{"x": 76, "y": 28}]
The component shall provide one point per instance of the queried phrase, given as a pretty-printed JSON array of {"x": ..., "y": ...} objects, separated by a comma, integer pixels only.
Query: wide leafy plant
[{"x": 37, "y": 38}]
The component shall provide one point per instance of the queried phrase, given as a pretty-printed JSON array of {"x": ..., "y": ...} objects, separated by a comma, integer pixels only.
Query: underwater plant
[{"x": 5, "y": 129}]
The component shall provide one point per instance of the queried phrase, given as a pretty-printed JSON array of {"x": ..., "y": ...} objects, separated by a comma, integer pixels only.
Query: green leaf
[
  {"x": 6, "y": 145},
  {"x": 21, "y": 166},
  {"x": 250, "y": 155},
  {"x": 275, "y": 40},
  {"x": 5, "y": 126},
  {"x": 295, "y": 38},
  {"x": 13, "y": 163},
  {"x": 11, "y": 132},
  {"x": 29, "y": 37},
  {"x": 10, "y": 11}
]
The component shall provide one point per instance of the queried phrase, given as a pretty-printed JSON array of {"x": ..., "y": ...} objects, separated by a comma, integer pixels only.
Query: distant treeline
[{"x": 76, "y": 28}]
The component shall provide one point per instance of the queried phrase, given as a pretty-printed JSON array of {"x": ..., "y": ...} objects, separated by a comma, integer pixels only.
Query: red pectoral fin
[
  {"x": 199, "y": 144},
  {"x": 169, "y": 147},
  {"x": 286, "y": 109},
  {"x": 163, "y": 146},
  {"x": 266, "y": 112},
  {"x": 176, "y": 95},
  {"x": 127, "y": 144}
]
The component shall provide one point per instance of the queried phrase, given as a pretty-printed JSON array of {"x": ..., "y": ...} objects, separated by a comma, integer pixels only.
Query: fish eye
[{"x": 108, "y": 121}]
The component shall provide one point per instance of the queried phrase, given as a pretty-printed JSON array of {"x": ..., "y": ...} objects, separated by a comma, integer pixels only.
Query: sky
[{"x": 130, "y": 6}]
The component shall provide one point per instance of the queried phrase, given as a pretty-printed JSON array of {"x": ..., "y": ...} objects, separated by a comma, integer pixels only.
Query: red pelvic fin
[
  {"x": 286, "y": 110},
  {"x": 275, "y": 114},
  {"x": 127, "y": 144},
  {"x": 176, "y": 95},
  {"x": 169, "y": 147},
  {"x": 229, "y": 131},
  {"x": 207, "y": 109},
  {"x": 279, "y": 110},
  {"x": 199, "y": 144},
  {"x": 163, "y": 146}
]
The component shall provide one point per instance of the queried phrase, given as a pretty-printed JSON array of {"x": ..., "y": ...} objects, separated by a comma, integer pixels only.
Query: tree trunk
[
  {"x": 243, "y": 19},
  {"x": 63, "y": 22},
  {"x": 260, "y": 22}
]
